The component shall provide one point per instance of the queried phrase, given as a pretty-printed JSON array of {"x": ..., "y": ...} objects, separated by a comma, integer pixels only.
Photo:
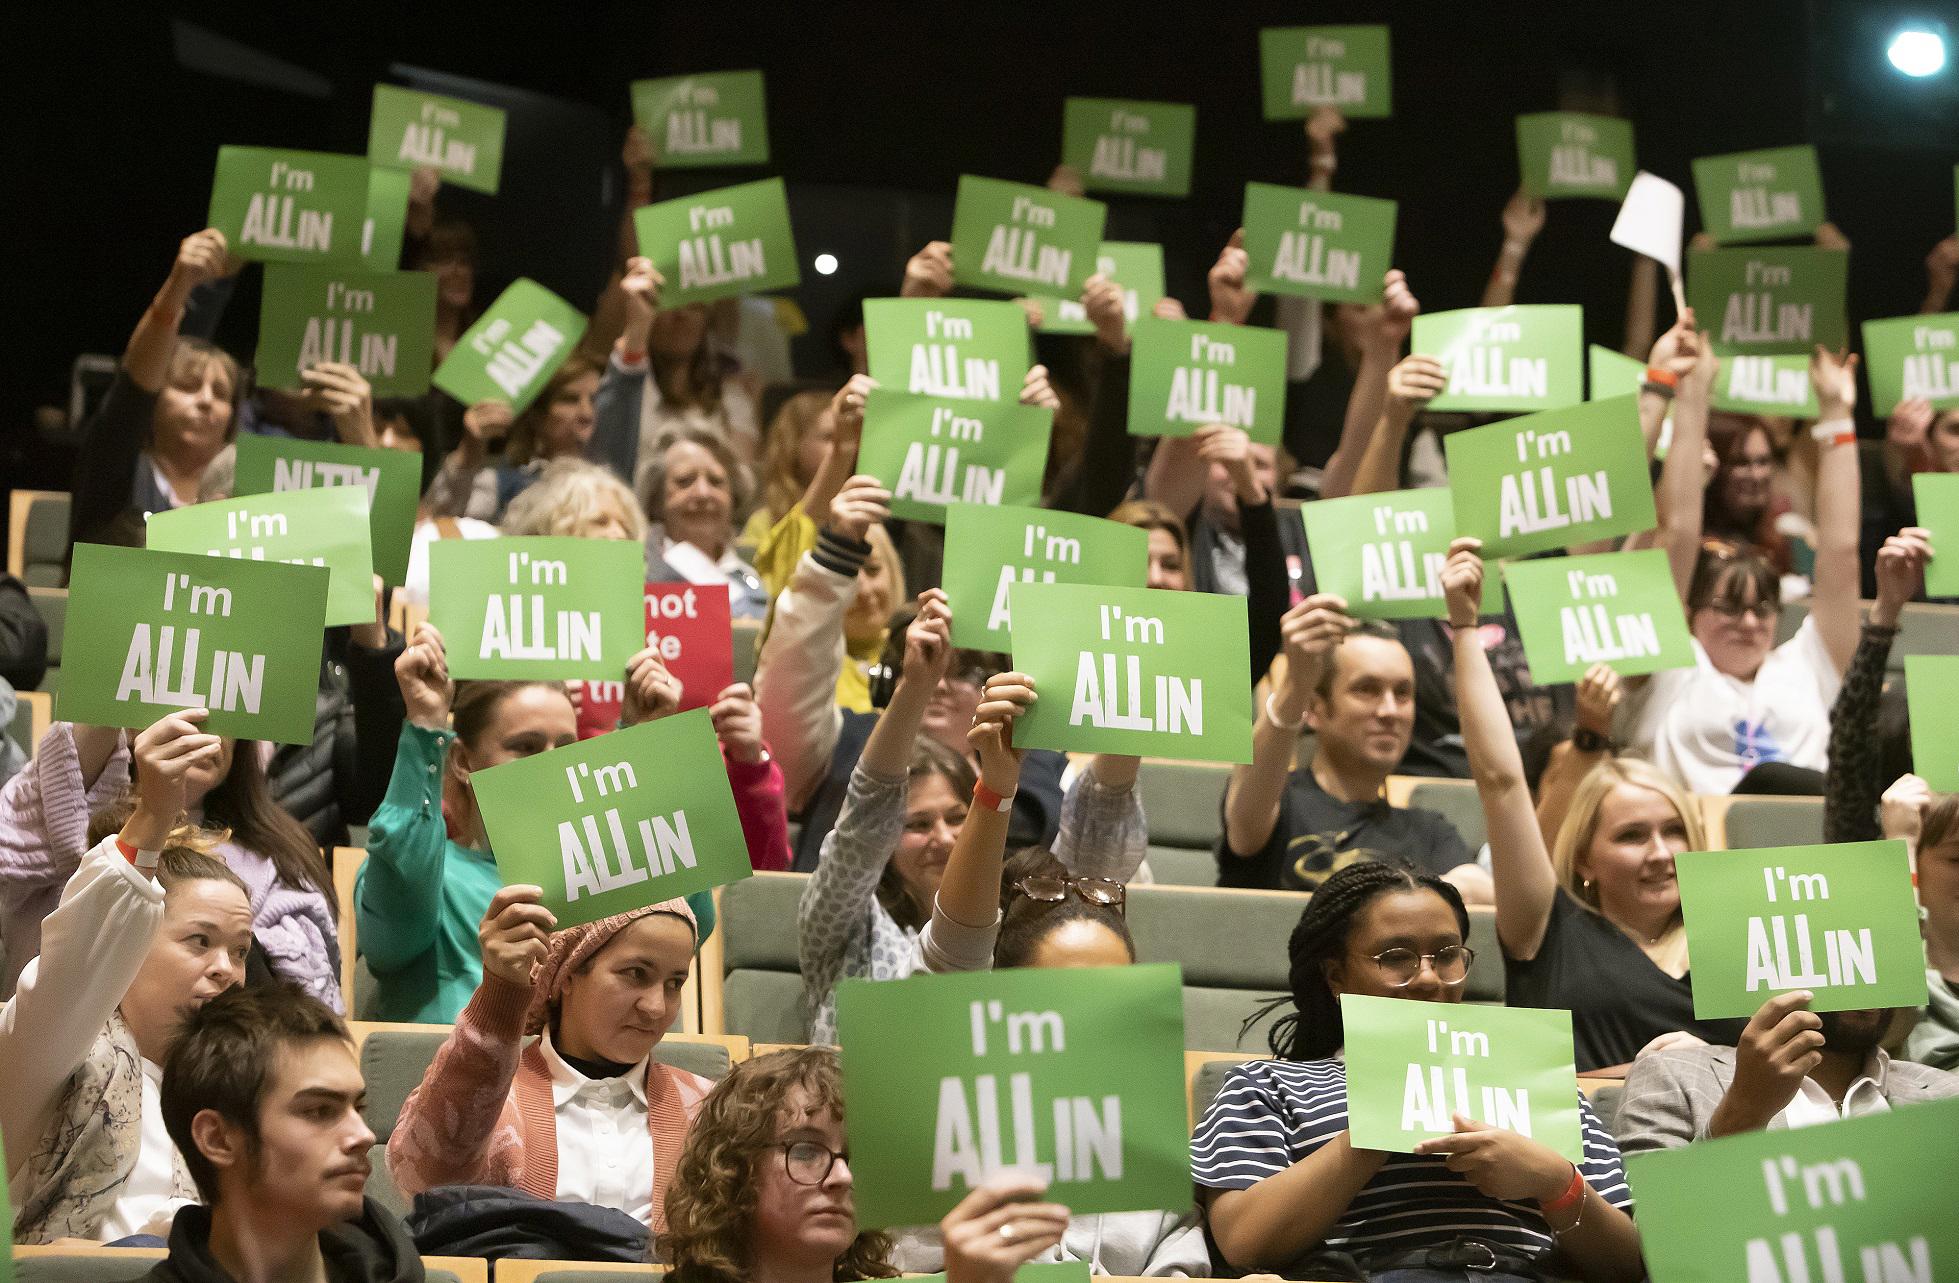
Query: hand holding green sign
[
  {"x": 1185, "y": 374},
  {"x": 1305, "y": 68},
  {"x": 1615, "y": 608},
  {"x": 1608, "y": 374},
  {"x": 1932, "y": 693},
  {"x": 1383, "y": 553},
  {"x": 538, "y": 608},
  {"x": 1015, "y": 239},
  {"x": 1552, "y": 480},
  {"x": 1117, "y": 145},
  {"x": 1136, "y": 267},
  {"x": 950, "y": 1080},
  {"x": 326, "y": 527},
  {"x": 1776, "y": 299},
  {"x": 933, "y": 451},
  {"x": 391, "y": 478},
  {"x": 697, "y": 122},
  {"x": 1527, "y": 357},
  {"x": 988, "y": 550},
  {"x": 1913, "y": 358},
  {"x": 972, "y": 349},
  {"x": 1759, "y": 195},
  {"x": 513, "y": 349},
  {"x": 720, "y": 244},
  {"x": 1317, "y": 244},
  {"x": 290, "y": 206},
  {"x": 1569, "y": 153},
  {"x": 462, "y": 141},
  {"x": 381, "y": 323}
]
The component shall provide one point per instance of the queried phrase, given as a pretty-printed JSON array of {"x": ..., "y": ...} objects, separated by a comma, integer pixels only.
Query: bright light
[
  {"x": 826, "y": 264},
  {"x": 1916, "y": 51}
]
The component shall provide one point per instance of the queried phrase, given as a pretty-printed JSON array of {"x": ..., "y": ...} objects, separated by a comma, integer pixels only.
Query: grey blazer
[{"x": 1671, "y": 1095}]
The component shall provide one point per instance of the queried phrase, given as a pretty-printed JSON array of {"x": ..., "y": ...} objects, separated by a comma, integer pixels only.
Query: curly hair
[
  {"x": 711, "y": 1200},
  {"x": 571, "y": 497}
]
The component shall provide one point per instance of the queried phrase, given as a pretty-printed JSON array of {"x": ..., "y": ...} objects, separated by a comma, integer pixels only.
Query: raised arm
[
  {"x": 1251, "y": 798},
  {"x": 1682, "y": 478},
  {"x": 1268, "y": 586},
  {"x": 1853, "y": 783},
  {"x": 1381, "y": 328},
  {"x": 616, "y": 406},
  {"x": 1591, "y": 743},
  {"x": 398, "y": 895},
  {"x": 200, "y": 258},
  {"x": 969, "y": 893},
  {"x": 1412, "y": 384},
  {"x": 1523, "y": 219},
  {"x": 1839, "y": 504},
  {"x": 1101, "y": 478}
]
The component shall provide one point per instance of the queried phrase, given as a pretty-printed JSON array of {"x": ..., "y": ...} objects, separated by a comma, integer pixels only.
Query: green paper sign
[
  {"x": 462, "y": 141},
  {"x": 1015, "y": 239},
  {"x": 972, "y": 349},
  {"x": 290, "y": 206},
  {"x": 1045, "y": 1272},
  {"x": 1772, "y": 299},
  {"x": 302, "y": 527},
  {"x": 1936, "y": 497},
  {"x": 1185, "y": 374},
  {"x": 513, "y": 349},
  {"x": 988, "y": 550},
  {"x": 583, "y": 824},
  {"x": 1118, "y": 145},
  {"x": 1410, "y": 1065},
  {"x": 1867, "y": 1198},
  {"x": 7, "y": 1230},
  {"x": 391, "y": 478},
  {"x": 932, "y": 452},
  {"x": 1302, "y": 68},
  {"x": 1615, "y": 608},
  {"x": 1838, "y": 920},
  {"x": 698, "y": 122},
  {"x": 1611, "y": 374},
  {"x": 1135, "y": 266},
  {"x": 1528, "y": 357},
  {"x": 542, "y": 608},
  {"x": 387, "y": 219},
  {"x": 1317, "y": 244},
  {"x": 1932, "y": 695},
  {"x": 1383, "y": 553},
  {"x": 152, "y": 632},
  {"x": 1759, "y": 195},
  {"x": 1568, "y": 153},
  {"x": 720, "y": 244},
  {"x": 949, "y": 1080},
  {"x": 1913, "y": 356},
  {"x": 1552, "y": 480},
  {"x": 381, "y": 323},
  {"x": 1134, "y": 670},
  {"x": 1775, "y": 383}
]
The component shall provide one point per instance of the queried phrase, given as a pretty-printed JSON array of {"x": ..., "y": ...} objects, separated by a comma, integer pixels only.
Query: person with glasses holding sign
[{"x": 1287, "y": 1190}]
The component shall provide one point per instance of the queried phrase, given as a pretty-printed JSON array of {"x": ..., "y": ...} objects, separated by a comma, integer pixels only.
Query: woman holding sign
[{"x": 557, "y": 425}]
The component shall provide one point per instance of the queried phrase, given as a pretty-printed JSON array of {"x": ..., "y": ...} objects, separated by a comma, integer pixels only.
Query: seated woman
[
  {"x": 557, "y": 425},
  {"x": 139, "y": 938},
  {"x": 694, "y": 486},
  {"x": 543, "y": 1118},
  {"x": 1287, "y": 1189}
]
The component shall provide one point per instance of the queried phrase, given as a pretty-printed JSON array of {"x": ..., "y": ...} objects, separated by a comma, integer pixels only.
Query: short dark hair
[
  {"x": 1323, "y": 688},
  {"x": 223, "y": 1059}
]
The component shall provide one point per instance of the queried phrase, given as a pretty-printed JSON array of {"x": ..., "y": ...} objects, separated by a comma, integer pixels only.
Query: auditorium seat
[
  {"x": 52, "y": 603},
  {"x": 751, "y": 982},
  {"x": 1182, "y": 866},
  {"x": 77, "y": 1264},
  {"x": 1181, "y": 801},
  {"x": 37, "y": 537},
  {"x": 512, "y": 1270},
  {"x": 1457, "y": 802},
  {"x": 1747, "y": 822},
  {"x": 33, "y": 713}
]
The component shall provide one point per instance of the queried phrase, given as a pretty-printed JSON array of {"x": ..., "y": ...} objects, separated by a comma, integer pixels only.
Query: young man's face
[{"x": 311, "y": 1165}]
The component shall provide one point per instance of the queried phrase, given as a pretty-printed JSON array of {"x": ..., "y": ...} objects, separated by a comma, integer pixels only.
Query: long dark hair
[
  {"x": 1312, "y": 1030},
  {"x": 242, "y": 802},
  {"x": 929, "y": 758}
]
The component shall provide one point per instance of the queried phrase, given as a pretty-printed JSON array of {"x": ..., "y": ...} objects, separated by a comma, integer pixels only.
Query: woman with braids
[{"x": 1287, "y": 1189}]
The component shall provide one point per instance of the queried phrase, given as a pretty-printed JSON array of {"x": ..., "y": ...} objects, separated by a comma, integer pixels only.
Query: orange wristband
[
  {"x": 986, "y": 799},
  {"x": 1573, "y": 1195},
  {"x": 1667, "y": 378}
]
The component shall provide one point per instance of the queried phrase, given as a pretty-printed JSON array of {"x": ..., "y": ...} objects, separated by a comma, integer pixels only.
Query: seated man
[
  {"x": 263, "y": 1096},
  {"x": 1791, "y": 1068},
  {"x": 1354, "y": 684}
]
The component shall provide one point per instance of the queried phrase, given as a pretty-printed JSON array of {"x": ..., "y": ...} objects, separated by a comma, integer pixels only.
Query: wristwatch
[{"x": 1587, "y": 740}]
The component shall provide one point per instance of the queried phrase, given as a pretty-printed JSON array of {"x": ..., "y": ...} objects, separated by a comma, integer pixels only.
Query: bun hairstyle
[{"x": 1025, "y": 922}]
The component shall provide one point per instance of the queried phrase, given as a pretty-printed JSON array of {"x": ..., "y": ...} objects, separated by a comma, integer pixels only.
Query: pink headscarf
[{"x": 573, "y": 947}]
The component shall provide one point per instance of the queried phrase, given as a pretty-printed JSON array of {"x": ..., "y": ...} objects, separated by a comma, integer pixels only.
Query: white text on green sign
[
  {"x": 274, "y": 220},
  {"x": 516, "y": 625},
  {"x": 1304, "y": 257},
  {"x": 232, "y": 682},
  {"x": 931, "y": 472},
  {"x": 1122, "y": 152},
  {"x": 1113, "y": 698},
  {"x": 598, "y": 853},
  {"x": 515, "y": 361},
  {"x": 938, "y": 370}
]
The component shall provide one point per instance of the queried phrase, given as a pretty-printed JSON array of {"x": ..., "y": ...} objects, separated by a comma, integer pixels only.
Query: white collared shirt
[
  {"x": 1812, "y": 1105},
  {"x": 605, "y": 1152}
]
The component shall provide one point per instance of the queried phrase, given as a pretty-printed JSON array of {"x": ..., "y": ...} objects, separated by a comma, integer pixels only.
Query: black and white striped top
[{"x": 1272, "y": 1113}]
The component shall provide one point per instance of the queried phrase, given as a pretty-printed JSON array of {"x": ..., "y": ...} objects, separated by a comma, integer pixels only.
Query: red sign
[{"x": 691, "y": 626}]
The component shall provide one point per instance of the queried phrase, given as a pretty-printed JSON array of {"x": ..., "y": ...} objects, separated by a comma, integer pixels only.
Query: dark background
[{"x": 875, "y": 109}]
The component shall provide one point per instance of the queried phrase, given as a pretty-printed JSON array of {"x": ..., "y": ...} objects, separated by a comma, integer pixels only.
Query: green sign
[
  {"x": 1773, "y": 383},
  {"x": 387, "y": 219},
  {"x": 1932, "y": 694},
  {"x": 544, "y": 608},
  {"x": 1528, "y": 357},
  {"x": 1383, "y": 553},
  {"x": 304, "y": 527},
  {"x": 1411, "y": 1065},
  {"x": 1317, "y": 244},
  {"x": 1303, "y": 68},
  {"x": 513, "y": 349},
  {"x": 1838, "y": 920},
  {"x": 1141, "y": 148},
  {"x": 1614, "y": 608},
  {"x": 1185, "y": 374},
  {"x": 579, "y": 821},
  {"x": 1610, "y": 374},
  {"x": 391, "y": 478},
  {"x": 950, "y": 1080},
  {"x": 290, "y": 206},
  {"x": 1552, "y": 480},
  {"x": 1936, "y": 497},
  {"x": 462, "y": 141},
  {"x": 381, "y": 323},
  {"x": 697, "y": 122},
  {"x": 1569, "y": 153},
  {"x": 1045, "y": 1272},
  {"x": 988, "y": 550},
  {"x": 1913, "y": 356},
  {"x": 1759, "y": 195},
  {"x": 969, "y": 348},
  {"x": 720, "y": 244},
  {"x": 152, "y": 632},
  {"x": 1867, "y": 1198},
  {"x": 7, "y": 1233},
  {"x": 1134, "y": 670},
  {"x": 932, "y": 452},
  {"x": 1017, "y": 239},
  {"x": 1135, "y": 266},
  {"x": 1771, "y": 299}
]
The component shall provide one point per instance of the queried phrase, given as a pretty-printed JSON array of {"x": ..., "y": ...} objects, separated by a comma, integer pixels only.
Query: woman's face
[
  {"x": 455, "y": 281},
  {"x": 815, "y": 445},
  {"x": 1419, "y": 921},
  {"x": 699, "y": 504},
  {"x": 1938, "y": 890},
  {"x": 1630, "y": 858},
  {"x": 677, "y": 331},
  {"x": 569, "y": 418},
  {"x": 864, "y": 619},
  {"x": 1943, "y": 437},
  {"x": 1746, "y": 474},
  {"x": 798, "y": 1224},
  {"x": 1080, "y": 942},
  {"x": 1737, "y": 630},
  {"x": 193, "y": 412},
  {"x": 526, "y": 722},
  {"x": 607, "y": 521},
  {"x": 198, "y": 953},
  {"x": 932, "y": 819},
  {"x": 628, "y": 995},
  {"x": 1167, "y": 569}
]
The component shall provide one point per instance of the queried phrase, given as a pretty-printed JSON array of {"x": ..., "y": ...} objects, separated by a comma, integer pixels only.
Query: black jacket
[
  {"x": 493, "y": 1222},
  {"x": 373, "y": 1249},
  {"x": 23, "y": 637},
  {"x": 340, "y": 777}
]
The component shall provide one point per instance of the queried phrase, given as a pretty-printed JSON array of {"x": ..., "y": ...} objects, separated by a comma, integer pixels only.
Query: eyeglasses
[
  {"x": 1763, "y": 611},
  {"x": 1401, "y": 966},
  {"x": 808, "y": 1163},
  {"x": 1103, "y": 891}
]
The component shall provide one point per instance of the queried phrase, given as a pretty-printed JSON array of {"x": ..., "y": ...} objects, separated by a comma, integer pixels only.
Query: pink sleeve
[
  {"x": 44, "y": 812},
  {"x": 451, "y": 1126},
  {"x": 758, "y": 798}
]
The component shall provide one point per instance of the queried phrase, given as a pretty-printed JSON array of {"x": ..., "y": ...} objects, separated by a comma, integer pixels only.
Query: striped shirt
[{"x": 1272, "y": 1113}]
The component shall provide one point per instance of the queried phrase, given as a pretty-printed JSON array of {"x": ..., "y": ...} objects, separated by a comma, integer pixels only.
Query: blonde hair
[
  {"x": 190, "y": 358},
  {"x": 781, "y": 487},
  {"x": 1581, "y": 826},
  {"x": 890, "y": 569},
  {"x": 568, "y": 498}
]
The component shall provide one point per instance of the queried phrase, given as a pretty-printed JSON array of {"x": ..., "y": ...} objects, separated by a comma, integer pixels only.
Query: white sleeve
[
  {"x": 796, "y": 676},
  {"x": 1809, "y": 661}
]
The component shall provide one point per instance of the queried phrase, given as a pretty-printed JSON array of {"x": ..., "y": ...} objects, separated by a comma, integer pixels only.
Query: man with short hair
[
  {"x": 1289, "y": 829},
  {"x": 263, "y": 1096}
]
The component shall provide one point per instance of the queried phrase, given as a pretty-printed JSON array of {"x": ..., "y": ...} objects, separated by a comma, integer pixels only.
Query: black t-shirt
[
  {"x": 1317, "y": 834},
  {"x": 1618, "y": 999}
]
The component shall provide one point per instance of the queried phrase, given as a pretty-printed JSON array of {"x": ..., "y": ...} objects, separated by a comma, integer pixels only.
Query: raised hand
[
  {"x": 1781, "y": 1044},
  {"x": 1168, "y": 308},
  {"x": 1413, "y": 383},
  {"x": 1909, "y": 425},
  {"x": 486, "y": 423},
  {"x": 1313, "y": 627},
  {"x": 1103, "y": 301},
  {"x": 862, "y": 503},
  {"x": 1036, "y": 390},
  {"x": 1386, "y": 324},
  {"x": 928, "y": 274},
  {"x": 998, "y": 1228},
  {"x": 1231, "y": 301},
  {"x": 515, "y": 933},
  {"x": 165, "y": 753},
  {"x": 1901, "y": 811},
  {"x": 737, "y": 722},
  {"x": 1005, "y": 698},
  {"x": 652, "y": 691},
  {"x": 202, "y": 257},
  {"x": 1067, "y": 180},
  {"x": 1231, "y": 449},
  {"x": 1598, "y": 699},
  {"x": 1678, "y": 350},
  {"x": 1900, "y": 573},
  {"x": 641, "y": 288},
  {"x": 345, "y": 396},
  {"x": 847, "y": 407},
  {"x": 928, "y": 642},
  {"x": 1523, "y": 218},
  {"x": 1834, "y": 376},
  {"x": 422, "y": 672},
  {"x": 1462, "y": 582}
]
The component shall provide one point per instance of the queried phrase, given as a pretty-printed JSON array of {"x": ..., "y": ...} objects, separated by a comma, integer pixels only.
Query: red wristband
[
  {"x": 1573, "y": 1195},
  {"x": 1667, "y": 378},
  {"x": 627, "y": 356},
  {"x": 128, "y": 851},
  {"x": 986, "y": 799}
]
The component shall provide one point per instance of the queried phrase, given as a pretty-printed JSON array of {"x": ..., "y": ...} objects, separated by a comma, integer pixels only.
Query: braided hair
[{"x": 1312, "y": 1030}]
